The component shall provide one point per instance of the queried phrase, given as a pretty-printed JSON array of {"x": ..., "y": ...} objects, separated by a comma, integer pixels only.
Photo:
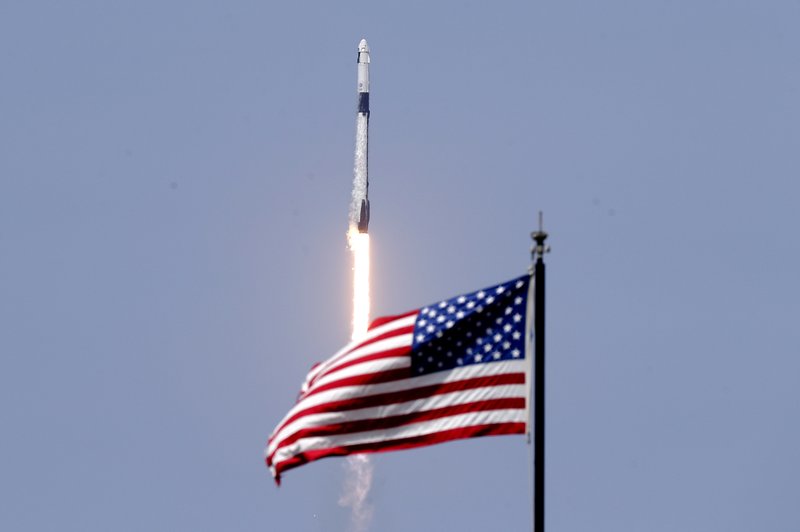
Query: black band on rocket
[{"x": 363, "y": 102}]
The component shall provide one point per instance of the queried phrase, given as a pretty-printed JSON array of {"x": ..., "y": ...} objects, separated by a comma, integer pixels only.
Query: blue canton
[{"x": 477, "y": 328}]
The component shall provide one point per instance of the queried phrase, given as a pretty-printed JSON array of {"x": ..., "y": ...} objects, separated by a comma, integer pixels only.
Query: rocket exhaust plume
[
  {"x": 356, "y": 488},
  {"x": 359, "y": 245},
  {"x": 358, "y": 467}
]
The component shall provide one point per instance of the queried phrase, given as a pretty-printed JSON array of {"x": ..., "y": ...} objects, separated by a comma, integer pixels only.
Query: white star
[
  {"x": 500, "y": 290},
  {"x": 458, "y": 344},
  {"x": 449, "y": 354},
  {"x": 518, "y": 300},
  {"x": 443, "y": 304},
  {"x": 470, "y": 304},
  {"x": 515, "y": 335},
  {"x": 420, "y": 337},
  {"x": 479, "y": 309},
  {"x": 519, "y": 284},
  {"x": 507, "y": 327},
  {"x": 440, "y": 364},
  {"x": 498, "y": 337},
  {"x": 461, "y": 300},
  {"x": 449, "y": 324},
  {"x": 487, "y": 347},
  {"x": 478, "y": 324},
  {"x": 419, "y": 370},
  {"x": 506, "y": 345},
  {"x": 424, "y": 311},
  {"x": 430, "y": 359},
  {"x": 469, "y": 334},
  {"x": 459, "y": 315},
  {"x": 451, "y": 309},
  {"x": 489, "y": 331},
  {"x": 508, "y": 310},
  {"x": 440, "y": 319},
  {"x": 430, "y": 328},
  {"x": 459, "y": 362},
  {"x": 498, "y": 321},
  {"x": 481, "y": 294},
  {"x": 469, "y": 351},
  {"x": 515, "y": 353},
  {"x": 479, "y": 341},
  {"x": 496, "y": 355},
  {"x": 432, "y": 314},
  {"x": 422, "y": 323},
  {"x": 438, "y": 334},
  {"x": 517, "y": 318},
  {"x": 478, "y": 358},
  {"x": 490, "y": 300}
]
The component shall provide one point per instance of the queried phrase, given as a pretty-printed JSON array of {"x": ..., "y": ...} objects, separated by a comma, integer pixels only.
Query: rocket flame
[{"x": 359, "y": 245}]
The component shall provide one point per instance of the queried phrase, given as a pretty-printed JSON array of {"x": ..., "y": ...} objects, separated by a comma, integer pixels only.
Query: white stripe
[
  {"x": 406, "y": 431},
  {"x": 439, "y": 377},
  {"x": 365, "y": 368},
  {"x": 425, "y": 404},
  {"x": 404, "y": 340},
  {"x": 374, "y": 333}
]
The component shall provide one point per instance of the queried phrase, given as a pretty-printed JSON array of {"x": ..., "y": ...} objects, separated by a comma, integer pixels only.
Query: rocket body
[{"x": 359, "y": 210}]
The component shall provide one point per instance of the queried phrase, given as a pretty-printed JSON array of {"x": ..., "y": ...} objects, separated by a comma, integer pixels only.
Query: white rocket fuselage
[{"x": 359, "y": 212}]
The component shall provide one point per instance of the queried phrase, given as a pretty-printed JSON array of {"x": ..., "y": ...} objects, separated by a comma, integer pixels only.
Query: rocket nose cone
[{"x": 362, "y": 46}]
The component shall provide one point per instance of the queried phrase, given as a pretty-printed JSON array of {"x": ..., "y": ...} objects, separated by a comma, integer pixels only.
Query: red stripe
[
  {"x": 377, "y": 322},
  {"x": 367, "y": 378},
  {"x": 384, "y": 336},
  {"x": 388, "y": 353},
  {"x": 362, "y": 425},
  {"x": 406, "y": 395},
  {"x": 396, "y": 445}
]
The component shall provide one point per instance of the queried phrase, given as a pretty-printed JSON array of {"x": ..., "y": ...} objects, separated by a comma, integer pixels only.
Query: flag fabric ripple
[{"x": 459, "y": 368}]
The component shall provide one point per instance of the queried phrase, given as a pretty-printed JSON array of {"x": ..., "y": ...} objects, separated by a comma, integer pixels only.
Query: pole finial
[{"x": 539, "y": 248}]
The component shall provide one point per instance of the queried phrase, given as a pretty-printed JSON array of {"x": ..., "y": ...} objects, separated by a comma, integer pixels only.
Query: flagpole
[{"x": 537, "y": 255}]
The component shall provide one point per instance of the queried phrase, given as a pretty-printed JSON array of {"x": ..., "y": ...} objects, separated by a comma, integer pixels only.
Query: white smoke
[{"x": 355, "y": 490}]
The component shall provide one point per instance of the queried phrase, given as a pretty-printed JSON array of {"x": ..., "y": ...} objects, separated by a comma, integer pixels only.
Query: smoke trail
[{"x": 356, "y": 488}]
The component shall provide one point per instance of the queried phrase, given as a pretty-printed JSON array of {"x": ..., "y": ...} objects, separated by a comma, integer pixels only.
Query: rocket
[{"x": 359, "y": 212}]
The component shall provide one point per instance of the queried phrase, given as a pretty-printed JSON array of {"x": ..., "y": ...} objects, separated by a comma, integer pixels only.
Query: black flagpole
[{"x": 537, "y": 252}]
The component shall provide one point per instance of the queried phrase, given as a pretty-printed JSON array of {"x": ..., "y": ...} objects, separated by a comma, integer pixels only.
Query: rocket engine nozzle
[{"x": 363, "y": 218}]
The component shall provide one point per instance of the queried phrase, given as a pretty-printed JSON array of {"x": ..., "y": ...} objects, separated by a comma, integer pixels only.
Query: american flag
[{"x": 456, "y": 369}]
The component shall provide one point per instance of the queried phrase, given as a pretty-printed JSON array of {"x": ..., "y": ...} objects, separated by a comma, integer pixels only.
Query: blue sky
[{"x": 174, "y": 184}]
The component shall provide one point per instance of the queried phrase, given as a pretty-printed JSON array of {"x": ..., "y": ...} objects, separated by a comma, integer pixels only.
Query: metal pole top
[{"x": 539, "y": 248}]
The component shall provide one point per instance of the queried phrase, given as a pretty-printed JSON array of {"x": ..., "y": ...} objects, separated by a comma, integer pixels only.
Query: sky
[{"x": 174, "y": 187}]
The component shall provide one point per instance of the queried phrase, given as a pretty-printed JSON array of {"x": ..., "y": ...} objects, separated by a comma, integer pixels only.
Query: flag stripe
[
  {"x": 495, "y": 429},
  {"x": 395, "y": 390},
  {"x": 350, "y": 427},
  {"x": 333, "y": 415},
  {"x": 379, "y": 322},
  {"x": 395, "y": 342},
  {"x": 396, "y": 338},
  {"x": 387, "y": 330},
  {"x": 399, "y": 433},
  {"x": 348, "y": 401},
  {"x": 395, "y": 348}
]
